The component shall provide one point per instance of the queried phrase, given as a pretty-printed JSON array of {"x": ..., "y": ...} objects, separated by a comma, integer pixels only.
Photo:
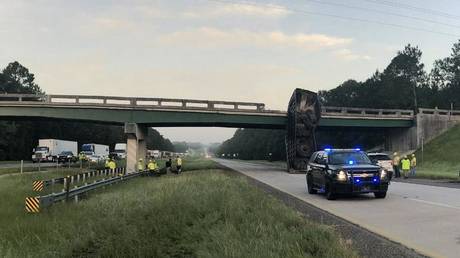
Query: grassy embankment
[
  {"x": 441, "y": 159},
  {"x": 201, "y": 213}
]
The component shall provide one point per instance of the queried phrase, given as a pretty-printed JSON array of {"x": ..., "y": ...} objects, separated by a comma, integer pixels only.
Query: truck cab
[{"x": 342, "y": 171}]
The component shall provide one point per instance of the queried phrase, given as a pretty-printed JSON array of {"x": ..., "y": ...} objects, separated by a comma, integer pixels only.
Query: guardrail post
[
  {"x": 235, "y": 106},
  {"x": 77, "y": 99},
  {"x": 184, "y": 104},
  {"x": 84, "y": 176},
  {"x": 210, "y": 105},
  {"x": 22, "y": 166},
  {"x": 67, "y": 187},
  {"x": 78, "y": 178}
]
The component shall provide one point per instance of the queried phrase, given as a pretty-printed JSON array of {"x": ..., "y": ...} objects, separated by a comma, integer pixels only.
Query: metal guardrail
[
  {"x": 40, "y": 185},
  {"x": 37, "y": 203},
  {"x": 86, "y": 100}
]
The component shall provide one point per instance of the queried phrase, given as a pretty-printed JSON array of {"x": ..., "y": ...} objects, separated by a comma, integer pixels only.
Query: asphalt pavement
[{"x": 423, "y": 217}]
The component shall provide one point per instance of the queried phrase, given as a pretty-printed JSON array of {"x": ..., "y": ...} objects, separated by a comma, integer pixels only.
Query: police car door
[{"x": 318, "y": 168}]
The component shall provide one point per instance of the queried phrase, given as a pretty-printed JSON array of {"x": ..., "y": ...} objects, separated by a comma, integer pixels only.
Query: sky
[{"x": 256, "y": 51}]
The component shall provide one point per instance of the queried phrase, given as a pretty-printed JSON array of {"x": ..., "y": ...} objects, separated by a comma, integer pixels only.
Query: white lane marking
[{"x": 435, "y": 203}]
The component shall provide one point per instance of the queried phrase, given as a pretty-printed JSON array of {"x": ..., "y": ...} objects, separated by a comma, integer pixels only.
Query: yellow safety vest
[
  {"x": 152, "y": 166},
  {"x": 413, "y": 162},
  {"x": 140, "y": 166},
  {"x": 112, "y": 165},
  {"x": 405, "y": 164},
  {"x": 179, "y": 162}
]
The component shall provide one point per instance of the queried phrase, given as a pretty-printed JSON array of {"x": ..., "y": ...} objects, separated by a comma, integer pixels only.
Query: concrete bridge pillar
[{"x": 136, "y": 147}]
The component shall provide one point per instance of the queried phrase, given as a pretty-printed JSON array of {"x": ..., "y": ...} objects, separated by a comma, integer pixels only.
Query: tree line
[
  {"x": 403, "y": 84},
  {"x": 19, "y": 137}
]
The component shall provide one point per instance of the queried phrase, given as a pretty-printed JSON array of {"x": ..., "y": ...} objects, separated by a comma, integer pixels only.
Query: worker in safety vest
[
  {"x": 111, "y": 164},
  {"x": 396, "y": 161},
  {"x": 140, "y": 165},
  {"x": 413, "y": 165},
  {"x": 107, "y": 163},
  {"x": 152, "y": 167},
  {"x": 405, "y": 165},
  {"x": 82, "y": 156},
  {"x": 179, "y": 165}
]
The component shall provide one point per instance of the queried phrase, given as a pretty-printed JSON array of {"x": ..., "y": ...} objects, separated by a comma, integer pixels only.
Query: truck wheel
[
  {"x": 310, "y": 188},
  {"x": 330, "y": 195},
  {"x": 380, "y": 195}
]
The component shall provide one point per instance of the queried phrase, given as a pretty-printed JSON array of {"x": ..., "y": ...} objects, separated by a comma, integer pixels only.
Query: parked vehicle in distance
[
  {"x": 67, "y": 156},
  {"x": 49, "y": 149},
  {"x": 384, "y": 161},
  {"x": 120, "y": 150},
  {"x": 95, "y": 158},
  {"x": 156, "y": 154},
  {"x": 93, "y": 149},
  {"x": 342, "y": 171}
]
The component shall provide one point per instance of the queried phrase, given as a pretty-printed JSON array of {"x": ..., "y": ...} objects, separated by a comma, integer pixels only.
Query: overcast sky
[{"x": 256, "y": 51}]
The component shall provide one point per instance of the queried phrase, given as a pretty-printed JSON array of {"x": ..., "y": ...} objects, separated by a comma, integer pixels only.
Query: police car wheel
[
  {"x": 380, "y": 195},
  {"x": 330, "y": 195},
  {"x": 310, "y": 188}
]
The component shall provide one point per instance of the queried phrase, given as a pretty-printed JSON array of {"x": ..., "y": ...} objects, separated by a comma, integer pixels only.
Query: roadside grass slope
[
  {"x": 441, "y": 158},
  {"x": 201, "y": 213}
]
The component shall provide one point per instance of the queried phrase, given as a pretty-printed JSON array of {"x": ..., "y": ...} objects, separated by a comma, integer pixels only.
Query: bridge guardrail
[
  {"x": 436, "y": 111},
  {"x": 135, "y": 102},
  {"x": 346, "y": 111}
]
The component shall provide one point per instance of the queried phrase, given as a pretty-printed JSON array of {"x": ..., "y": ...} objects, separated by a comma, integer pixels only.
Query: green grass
[
  {"x": 440, "y": 158},
  {"x": 201, "y": 213}
]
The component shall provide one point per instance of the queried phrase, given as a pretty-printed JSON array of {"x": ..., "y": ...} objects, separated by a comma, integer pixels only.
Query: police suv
[{"x": 341, "y": 171}]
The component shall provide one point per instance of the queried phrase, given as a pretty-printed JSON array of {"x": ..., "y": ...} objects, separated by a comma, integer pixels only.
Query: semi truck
[
  {"x": 49, "y": 149},
  {"x": 95, "y": 152}
]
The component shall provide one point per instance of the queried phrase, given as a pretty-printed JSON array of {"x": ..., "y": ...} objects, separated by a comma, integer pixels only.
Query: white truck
[
  {"x": 49, "y": 149},
  {"x": 95, "y": 152},
  {"x": 156, "y": 154},
  {"x": 120, "y": 150}
]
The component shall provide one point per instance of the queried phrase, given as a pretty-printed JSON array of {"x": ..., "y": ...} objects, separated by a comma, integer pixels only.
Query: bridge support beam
[{"x": 136, "y": 147}]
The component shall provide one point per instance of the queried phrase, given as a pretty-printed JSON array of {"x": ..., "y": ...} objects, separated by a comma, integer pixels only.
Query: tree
[
  {"x": 445, "y": 78},
  {"x": 25, "y": 80}
]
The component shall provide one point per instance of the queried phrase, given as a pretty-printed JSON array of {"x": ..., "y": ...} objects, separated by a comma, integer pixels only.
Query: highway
[{"x": 425, "y": 218}]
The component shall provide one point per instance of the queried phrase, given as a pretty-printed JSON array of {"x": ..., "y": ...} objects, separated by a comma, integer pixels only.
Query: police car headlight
[
  {"x": 342, "y": 176},
  {"x": 383, "y": 174}
]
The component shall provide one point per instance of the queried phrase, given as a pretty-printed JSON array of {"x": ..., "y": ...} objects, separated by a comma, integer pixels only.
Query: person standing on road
[
  {"x": 413, "y": 165},
  {"x": 111, "y": 164},
  {"x": 107, "y": 163},
  {"x": 140, "y": 165},
  {"x": 152, "y": 167},
  {"x": 405, "y": 164},
  {"x": 396, "y": 161},
  {"x": 168, "y": 166},
  {"x": 179, "y": 165}
]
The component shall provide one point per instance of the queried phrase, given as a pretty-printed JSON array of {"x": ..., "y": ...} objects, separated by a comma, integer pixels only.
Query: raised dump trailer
[{"x": 49, "y": 149}]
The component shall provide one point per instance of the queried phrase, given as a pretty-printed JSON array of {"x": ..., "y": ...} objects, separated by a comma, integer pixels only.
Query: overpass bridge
[
  {"x": 161, "y": 112},
  {"x": 137, "y": 114}
]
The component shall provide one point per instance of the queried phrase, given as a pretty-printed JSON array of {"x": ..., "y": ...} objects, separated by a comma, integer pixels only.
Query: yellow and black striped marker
[
  {"x": 38, "y": 186},
  {"x": 33, "y": 204}
]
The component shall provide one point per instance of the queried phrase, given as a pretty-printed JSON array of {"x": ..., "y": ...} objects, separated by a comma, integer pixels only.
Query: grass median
[{"x": 201, "y": 213}]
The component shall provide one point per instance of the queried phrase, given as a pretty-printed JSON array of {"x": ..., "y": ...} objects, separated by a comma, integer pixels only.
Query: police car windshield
[{"x": 348, "y": 158}]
